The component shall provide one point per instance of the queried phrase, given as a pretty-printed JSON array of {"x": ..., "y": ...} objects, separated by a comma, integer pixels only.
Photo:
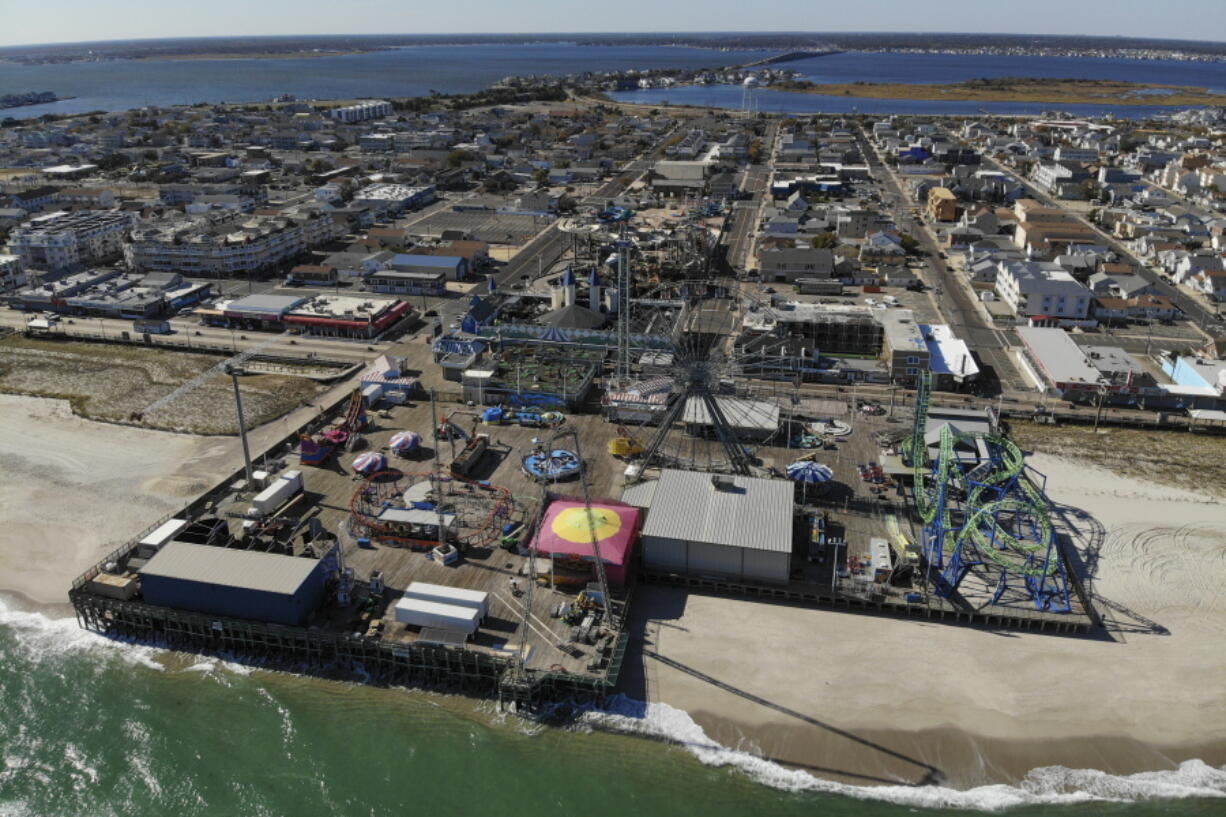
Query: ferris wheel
[{"x": 712, "y": 377}]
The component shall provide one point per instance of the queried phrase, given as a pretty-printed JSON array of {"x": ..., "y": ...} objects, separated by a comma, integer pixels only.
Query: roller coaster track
[{"x": 998, "y": 487}]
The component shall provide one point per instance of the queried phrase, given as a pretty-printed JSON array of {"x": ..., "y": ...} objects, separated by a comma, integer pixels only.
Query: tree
[
  {"x": 754, "y": 152},
  {"x": 908, "y": 242},
  {"x": 825, "y": 241}
]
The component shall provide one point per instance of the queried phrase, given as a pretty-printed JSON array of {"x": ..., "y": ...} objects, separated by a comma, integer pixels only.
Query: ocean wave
[
  {"x": 208, "y": 665},
  {"x": 1049, "y": 785},
  {"x": 47, "y": 638},
  {"x": 43, "y": 637}
]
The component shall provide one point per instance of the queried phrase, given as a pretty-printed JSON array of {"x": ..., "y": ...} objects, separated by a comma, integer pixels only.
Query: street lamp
[{"x": 234, "y": 372}]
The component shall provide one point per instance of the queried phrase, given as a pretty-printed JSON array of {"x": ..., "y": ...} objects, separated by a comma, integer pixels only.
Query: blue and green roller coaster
[{"x": 981, "y": 509}]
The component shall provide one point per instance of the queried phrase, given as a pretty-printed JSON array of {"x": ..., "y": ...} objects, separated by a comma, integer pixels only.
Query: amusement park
[{"x": 478, "y": 517}]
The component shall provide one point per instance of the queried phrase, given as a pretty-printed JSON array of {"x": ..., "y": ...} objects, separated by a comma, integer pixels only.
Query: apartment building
[
  {"x": 1037, "y": 288},
  {"x": 786, "y": 265},
  {"x": 223, "y": 250},
  {"x": 59, "y": 241},
  {"x": 942, "y": 204},
  {"x": 904, "y": 349},
  {"x": 362, "y": 111},
  {"x": 11, "y": 272}
]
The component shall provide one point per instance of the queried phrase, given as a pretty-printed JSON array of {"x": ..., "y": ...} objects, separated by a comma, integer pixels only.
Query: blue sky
[{"x": 31, "y": 21}]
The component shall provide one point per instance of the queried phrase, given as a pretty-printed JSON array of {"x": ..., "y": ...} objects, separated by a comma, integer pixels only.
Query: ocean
[
  {"x": 120, "y": 85},
  {"x": 96, "y": 727}
]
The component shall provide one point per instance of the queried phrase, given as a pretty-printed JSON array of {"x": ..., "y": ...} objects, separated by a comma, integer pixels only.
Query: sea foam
[
  {"x": 1049, "y": 785},
  {"x": 45, "y": 638}
]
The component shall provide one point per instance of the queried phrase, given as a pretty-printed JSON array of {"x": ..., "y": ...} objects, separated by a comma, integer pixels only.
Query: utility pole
[
  {"x": 1102, "y": 393},
  {"x": 234, "y": 372}
]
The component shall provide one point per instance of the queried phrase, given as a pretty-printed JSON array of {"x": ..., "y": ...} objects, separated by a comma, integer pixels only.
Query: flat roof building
[
  {"x": 905, "y": 350},
  {"x": 234, "y": 583},
  {"x": 454, "y": 267},
  {"x": 949, "y": 358}
]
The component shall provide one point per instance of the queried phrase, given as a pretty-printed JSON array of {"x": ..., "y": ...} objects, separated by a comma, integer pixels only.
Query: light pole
[{"x": 234, "y": 372}]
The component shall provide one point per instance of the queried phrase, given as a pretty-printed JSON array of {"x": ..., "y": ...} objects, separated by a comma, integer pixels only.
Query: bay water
[{"x": 415, "y": 71}]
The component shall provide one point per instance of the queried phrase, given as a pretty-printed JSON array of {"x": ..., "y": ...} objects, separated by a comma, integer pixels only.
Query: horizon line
[{"x": 747, "y": 32}]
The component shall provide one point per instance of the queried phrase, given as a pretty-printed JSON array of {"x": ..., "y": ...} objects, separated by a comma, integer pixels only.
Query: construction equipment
[
  {"x": 468, "y": 458},
  {"x": 625, "y": 445}
]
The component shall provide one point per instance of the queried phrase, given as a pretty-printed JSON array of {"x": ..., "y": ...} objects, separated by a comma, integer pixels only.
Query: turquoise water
[{"x": 93, "y": 727}]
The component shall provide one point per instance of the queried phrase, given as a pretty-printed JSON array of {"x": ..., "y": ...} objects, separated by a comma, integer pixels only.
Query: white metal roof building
[
  {"x": 725, "y": 527},
  {"x": 1058, "y": 359},
  {"x": 948, "y": 355},
  {"x": 751, "y": 419}
]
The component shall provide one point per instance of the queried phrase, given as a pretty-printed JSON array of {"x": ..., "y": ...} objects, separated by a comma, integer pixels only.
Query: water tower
[{"x": 749, "y": 95}]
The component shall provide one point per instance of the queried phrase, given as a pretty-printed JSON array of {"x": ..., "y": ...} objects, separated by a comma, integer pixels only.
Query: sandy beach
[
  {"x": 871, "y": 699},
  {"x": 73, "y": 489}
]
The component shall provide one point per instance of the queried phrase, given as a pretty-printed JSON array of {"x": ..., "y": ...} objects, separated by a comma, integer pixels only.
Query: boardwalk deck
[{"x": 546, "y": 639}]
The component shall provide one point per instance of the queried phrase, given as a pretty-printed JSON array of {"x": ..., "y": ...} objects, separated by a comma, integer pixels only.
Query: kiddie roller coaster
[{"x": 982, "y": 512}]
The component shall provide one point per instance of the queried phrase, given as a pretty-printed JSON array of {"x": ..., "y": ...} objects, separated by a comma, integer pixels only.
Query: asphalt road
[
  {"x": 745, "y": 217},
  {"x": 189, "y": 333},
  {"x": 955, "y": 301}
]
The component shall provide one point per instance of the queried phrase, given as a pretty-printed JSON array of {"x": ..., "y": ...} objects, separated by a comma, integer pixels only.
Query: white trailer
[
  {"x": 269, "y": 501},
  {"x": 373, "y": 393},
  {"x": 441, "y": 593},
  {"x": 159, "y": 536},
  {"x": 421, "y": 613}
]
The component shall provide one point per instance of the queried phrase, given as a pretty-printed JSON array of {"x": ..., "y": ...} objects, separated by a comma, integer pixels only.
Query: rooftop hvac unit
[{"x": 720, "y": 483}]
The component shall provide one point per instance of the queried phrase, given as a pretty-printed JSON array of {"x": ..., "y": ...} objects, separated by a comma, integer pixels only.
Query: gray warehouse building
[
  {"x": 727, "y": 527},
  {"x": 234, "y": 583}
]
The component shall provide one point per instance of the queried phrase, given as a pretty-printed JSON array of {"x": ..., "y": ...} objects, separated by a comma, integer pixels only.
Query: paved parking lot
[{"x": 489, "y": 226}]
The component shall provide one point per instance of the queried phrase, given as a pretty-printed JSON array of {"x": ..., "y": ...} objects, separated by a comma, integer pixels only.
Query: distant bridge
[{"x": 790, "y": 56}]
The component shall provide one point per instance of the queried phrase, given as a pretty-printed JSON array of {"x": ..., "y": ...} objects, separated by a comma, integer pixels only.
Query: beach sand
[
  {"x": 870, "y": 698},
  {"x": 72, "y": 489}
]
